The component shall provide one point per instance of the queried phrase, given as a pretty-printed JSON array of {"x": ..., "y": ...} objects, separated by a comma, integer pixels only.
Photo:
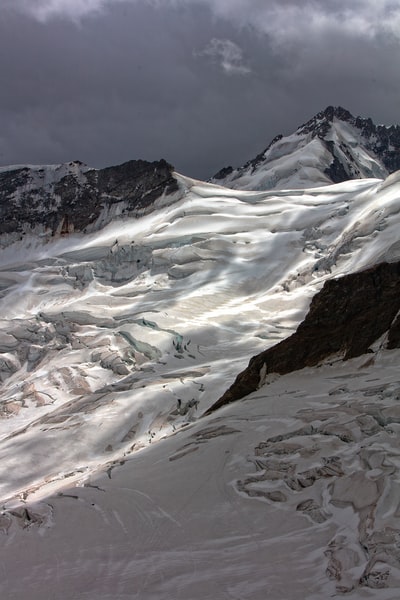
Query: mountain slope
[
  {"x": 331, "y": 147},
  {"x": 292, "y": 491},
  {"x": 114, "y": 342},
  {"x": 69, "y": 197}
]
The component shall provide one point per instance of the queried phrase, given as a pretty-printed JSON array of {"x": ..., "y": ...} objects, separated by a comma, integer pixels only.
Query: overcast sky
[{"x": 201, "y": 83}]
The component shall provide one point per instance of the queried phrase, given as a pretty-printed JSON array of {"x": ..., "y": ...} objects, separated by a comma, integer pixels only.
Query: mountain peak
[
  {"x": 332, "y": 112},
  {"x": 337, "y": 111},
  {"x": 321, "y": 122},
  {"x": 333, "y": 146}
]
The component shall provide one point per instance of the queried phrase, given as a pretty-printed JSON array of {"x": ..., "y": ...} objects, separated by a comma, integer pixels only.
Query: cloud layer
[
  {"x": 203, "y": 83},
  {"x": 283, "y": 20}
]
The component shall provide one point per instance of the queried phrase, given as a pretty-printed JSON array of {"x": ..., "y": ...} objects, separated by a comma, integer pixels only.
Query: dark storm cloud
[{"x": 202, "y": 83}]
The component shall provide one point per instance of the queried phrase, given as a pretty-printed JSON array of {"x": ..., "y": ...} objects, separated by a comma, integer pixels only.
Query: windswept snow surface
[
  {"x": 114, "y": 343},
  {"x": 290, "y": 493}
]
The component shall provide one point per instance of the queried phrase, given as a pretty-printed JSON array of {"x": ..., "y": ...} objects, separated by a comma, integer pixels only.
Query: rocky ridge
[
  {"x": 73, "y": 197},
  {"x": 345, "y": 319},
  {"x": 332, "y": 147}
]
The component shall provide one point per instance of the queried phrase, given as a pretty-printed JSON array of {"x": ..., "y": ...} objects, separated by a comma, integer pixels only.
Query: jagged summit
[
  {"x": 333, "y": 146},
  {"x": 321, "y": 122}
]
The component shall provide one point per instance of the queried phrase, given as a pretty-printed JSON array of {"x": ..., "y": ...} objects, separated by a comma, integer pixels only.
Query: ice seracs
[{"x": 98, "y": 328}]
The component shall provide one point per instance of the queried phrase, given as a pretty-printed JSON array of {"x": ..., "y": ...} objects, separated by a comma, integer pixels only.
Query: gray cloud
[
  {"x": 228, "y": 55},
  {"x": 288, "y": 20},
  {"x": 203, "y": 83},
  {"x": 282, "y": 19},
  {"x": 47, "y": 9}
]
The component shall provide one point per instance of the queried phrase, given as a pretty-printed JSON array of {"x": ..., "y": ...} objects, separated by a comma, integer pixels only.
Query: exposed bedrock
[
  {"x": 346, "y": 317},
  {"x": 71, "y": 197}
]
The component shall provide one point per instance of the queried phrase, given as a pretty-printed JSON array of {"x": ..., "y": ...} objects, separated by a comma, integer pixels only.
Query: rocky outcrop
[
  {"x": 345, "y": 318},
  {"x": 224, "y": 172},
  {"x": 70, "y": 197}
]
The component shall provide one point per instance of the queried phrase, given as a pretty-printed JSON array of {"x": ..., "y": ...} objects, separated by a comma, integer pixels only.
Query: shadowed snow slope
[{"x": 113, "y": 342}]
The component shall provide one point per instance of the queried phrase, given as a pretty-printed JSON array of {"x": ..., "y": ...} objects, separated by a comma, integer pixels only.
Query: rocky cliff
[
  {"x": 72, "y": 196},
  {"x": 345, "y": 318}
]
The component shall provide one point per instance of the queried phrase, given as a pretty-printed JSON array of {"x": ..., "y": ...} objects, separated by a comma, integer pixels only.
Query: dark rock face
[
  {"x": 336, "y": 171},
  {"x": 224, "y": 172},
  {"x": 394, "y": 335},
  {"x": 74, "y": 197},
  {"x": 345, "y": 317}
]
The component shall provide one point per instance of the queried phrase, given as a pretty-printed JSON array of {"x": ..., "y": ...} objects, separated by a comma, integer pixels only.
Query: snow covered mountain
[
  {"x": 119, "y": 332},
  {"x": 60, "y": 199},
  {"x": 332, "y": 147}
]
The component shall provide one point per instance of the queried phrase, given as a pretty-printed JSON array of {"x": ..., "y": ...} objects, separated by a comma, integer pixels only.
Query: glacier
[{"x": 113, "y": 345}]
